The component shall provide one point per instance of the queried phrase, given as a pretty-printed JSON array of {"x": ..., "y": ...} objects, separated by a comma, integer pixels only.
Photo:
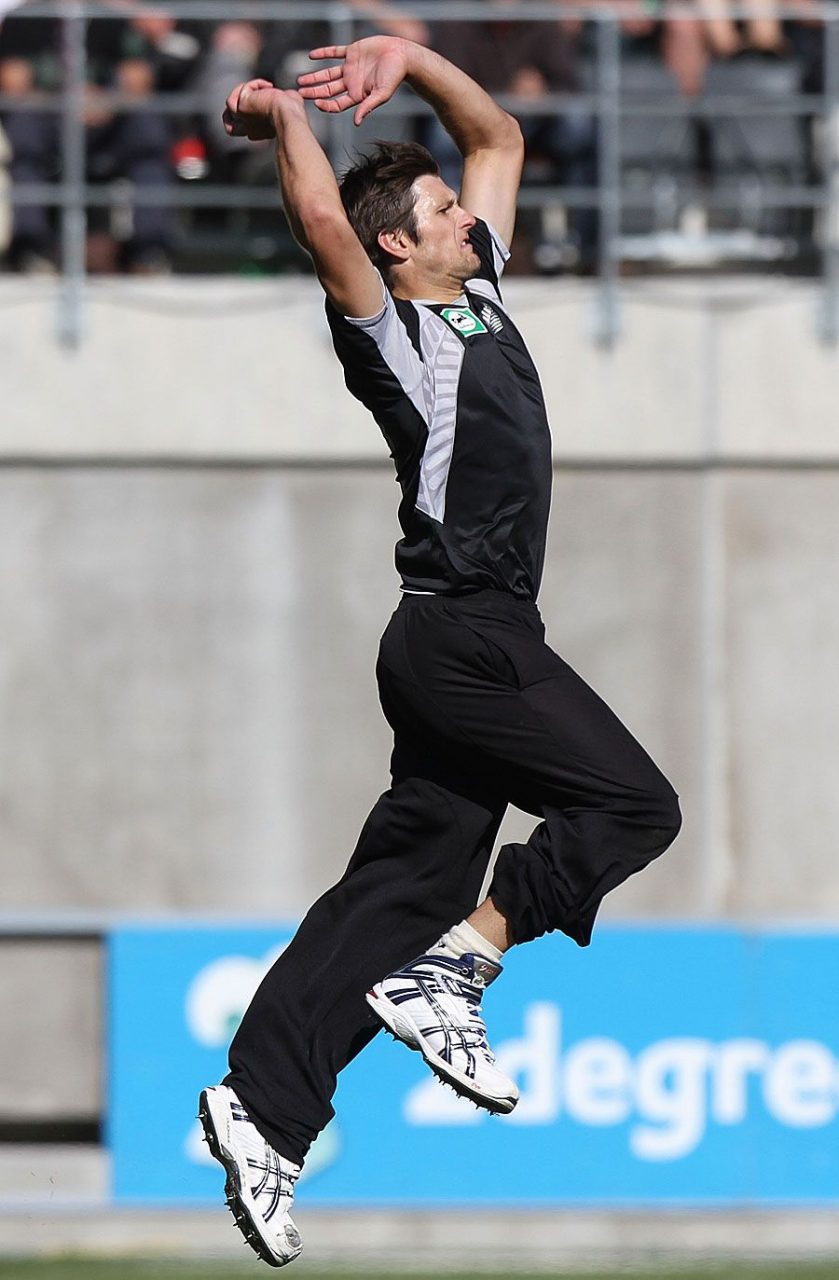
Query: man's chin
[{"x": 472, "y": 265}]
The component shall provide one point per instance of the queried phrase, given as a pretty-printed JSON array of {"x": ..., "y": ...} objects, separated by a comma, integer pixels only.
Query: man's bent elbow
[{"x": 510, "y": 136}]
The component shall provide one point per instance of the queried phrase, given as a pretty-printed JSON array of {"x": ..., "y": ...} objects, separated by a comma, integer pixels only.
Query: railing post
[
  {"x": 608, "y": 178},
  {"x": 73, "y": 210},
  {"x": 340, "y": 147},
  {"x": 829, "y": 310}
]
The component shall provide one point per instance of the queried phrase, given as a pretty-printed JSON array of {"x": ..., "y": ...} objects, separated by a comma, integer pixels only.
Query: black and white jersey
[{"x": 457, "y": 397}]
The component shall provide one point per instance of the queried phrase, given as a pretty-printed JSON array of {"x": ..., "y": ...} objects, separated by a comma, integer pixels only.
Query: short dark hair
[{"x": 377, "y": 195}]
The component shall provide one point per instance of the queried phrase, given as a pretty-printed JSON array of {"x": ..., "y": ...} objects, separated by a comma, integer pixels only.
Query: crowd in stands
[{"x": 137, "y": 50}]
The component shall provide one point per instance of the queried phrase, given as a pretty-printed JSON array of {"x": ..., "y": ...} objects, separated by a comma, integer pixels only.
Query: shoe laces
[
  {"x": 474, "y": 1032},
  {"x": 464, "y": 984},
  {"x": 270, "y": 1175}
]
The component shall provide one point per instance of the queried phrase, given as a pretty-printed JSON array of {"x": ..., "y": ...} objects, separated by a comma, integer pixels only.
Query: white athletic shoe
[
  {"x": 260, "y": 1182},
  {"x": 433, "y": 1004}
]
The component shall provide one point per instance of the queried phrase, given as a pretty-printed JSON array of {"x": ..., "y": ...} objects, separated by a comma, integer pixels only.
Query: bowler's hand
[
  {"x": 253, "y": 109},
  {"x": 369, "y": 73}
]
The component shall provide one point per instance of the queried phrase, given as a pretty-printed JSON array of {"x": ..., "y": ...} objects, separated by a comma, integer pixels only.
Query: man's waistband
[{"x": 486, "y": 599}]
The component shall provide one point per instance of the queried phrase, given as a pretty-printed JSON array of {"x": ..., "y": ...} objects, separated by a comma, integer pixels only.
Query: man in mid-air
[{"x": 483, "y": 713}]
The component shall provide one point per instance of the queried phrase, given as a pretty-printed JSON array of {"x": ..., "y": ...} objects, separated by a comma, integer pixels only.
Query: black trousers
[{"x": 484, "y": 714}]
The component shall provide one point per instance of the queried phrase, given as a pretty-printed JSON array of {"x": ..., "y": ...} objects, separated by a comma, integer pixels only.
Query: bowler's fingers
[
  {"x": 232, "y": 127},
  {"x": 329, "y": 51},
  {"x": 369, "y": 104},
  {"x": 231, "y": 103},
  {"x": 331, "y": 90},
  {"x": 235, "y": 110},
  {"x": 249, "y": 87},
  {"x": 333, "y": 105},
  {"x": 320, "y": 77},
  {"x": 234, "y": 98}
]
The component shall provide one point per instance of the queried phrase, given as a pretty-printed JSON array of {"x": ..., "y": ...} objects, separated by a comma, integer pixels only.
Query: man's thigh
[{"x": 491, "y": 694}]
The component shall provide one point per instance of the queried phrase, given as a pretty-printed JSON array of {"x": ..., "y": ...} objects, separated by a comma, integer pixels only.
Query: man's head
[{"x": 406, "y": 217}]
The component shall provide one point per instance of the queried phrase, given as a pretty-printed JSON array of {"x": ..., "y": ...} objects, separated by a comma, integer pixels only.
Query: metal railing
[{"x": 73, "y": 196}]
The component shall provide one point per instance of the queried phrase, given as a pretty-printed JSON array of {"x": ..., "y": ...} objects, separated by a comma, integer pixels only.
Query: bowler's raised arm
[{"x": 489, "y": 139}]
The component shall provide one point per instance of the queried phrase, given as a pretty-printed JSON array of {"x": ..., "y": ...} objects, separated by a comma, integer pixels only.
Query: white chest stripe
[{"x": 443, "y": 356}]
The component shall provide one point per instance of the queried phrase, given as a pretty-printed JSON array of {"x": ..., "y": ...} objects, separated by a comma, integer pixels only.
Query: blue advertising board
[{"x": 658, "y": 1067}]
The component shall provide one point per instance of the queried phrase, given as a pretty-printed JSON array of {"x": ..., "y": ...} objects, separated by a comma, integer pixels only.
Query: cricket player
[{"x": 484, "y": 714}]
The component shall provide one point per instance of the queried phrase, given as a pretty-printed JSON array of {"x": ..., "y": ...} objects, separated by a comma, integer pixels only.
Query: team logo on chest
[
  {"x": 463, "y": 321},
  {"x": 491, "y": 318}
]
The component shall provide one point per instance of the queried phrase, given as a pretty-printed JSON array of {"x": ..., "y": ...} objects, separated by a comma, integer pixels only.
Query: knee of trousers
[{"x": 661, "y": 816}]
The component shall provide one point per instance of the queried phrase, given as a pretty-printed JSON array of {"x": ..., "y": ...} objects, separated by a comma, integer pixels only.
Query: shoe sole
[
  {"x": 405, "y": 1030},
  {"x": 242, "y": 1215}
]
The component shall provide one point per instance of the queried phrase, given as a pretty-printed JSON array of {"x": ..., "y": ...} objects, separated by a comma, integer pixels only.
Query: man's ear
[{"x": 397, "y": 243}]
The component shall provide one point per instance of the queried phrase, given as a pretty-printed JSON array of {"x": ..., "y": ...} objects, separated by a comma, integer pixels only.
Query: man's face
[{"x": 444, "y": 250}]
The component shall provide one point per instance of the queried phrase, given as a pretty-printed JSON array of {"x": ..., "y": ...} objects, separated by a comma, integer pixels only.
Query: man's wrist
[
  {"x": 277, "y": 118},
  {"x": 416, "y": 58},
  {"x": 284, "y": 109}
]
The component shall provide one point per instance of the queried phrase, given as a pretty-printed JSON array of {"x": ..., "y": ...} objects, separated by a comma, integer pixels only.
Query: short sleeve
[
  {"x": 364, "y": 322},
  {"x": 493, "y": 253}
]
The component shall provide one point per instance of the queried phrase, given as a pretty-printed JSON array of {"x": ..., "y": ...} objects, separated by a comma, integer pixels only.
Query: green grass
[{"x": 133, "y": 1269}]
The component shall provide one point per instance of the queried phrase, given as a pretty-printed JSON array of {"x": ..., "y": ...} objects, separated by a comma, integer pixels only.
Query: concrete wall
[
  {"x": 190, "y": 710},
  {"x": 189, "y": 719},
  {"x": 242, "y": 369}
]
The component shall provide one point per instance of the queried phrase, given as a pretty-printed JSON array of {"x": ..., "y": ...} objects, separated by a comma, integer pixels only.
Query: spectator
[
  {"x": 678, "y": 42},
  {"x": 241, "y": 50},
  {"x": 131, "y": 56},
  {"x": 28, "y": 59},
  {"x": 5, "y": 202},
  {"x": 275, "y": 51},
  {"x": 385, "y": 20},
  {"x": 760, "y": 32}
]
